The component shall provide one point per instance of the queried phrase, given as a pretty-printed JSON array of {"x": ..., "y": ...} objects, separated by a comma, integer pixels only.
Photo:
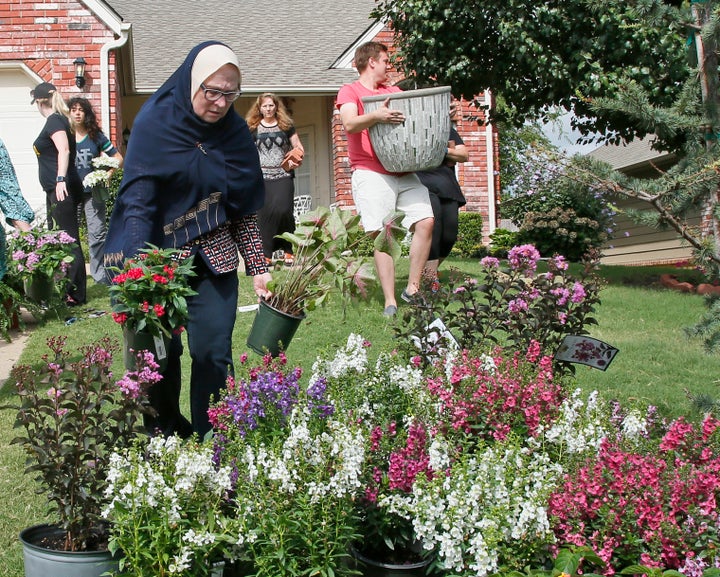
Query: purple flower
[
  {"x": 523, "y": 258},
  {"x": 517, "y": 305},
  {"x": 559, "y": 262},
  {"x": 578, "y": 294},
  {"x": 490, "y": 262}
]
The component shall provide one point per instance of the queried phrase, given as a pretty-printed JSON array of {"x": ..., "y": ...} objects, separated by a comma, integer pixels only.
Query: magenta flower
[{"x": 523, "y": 258}]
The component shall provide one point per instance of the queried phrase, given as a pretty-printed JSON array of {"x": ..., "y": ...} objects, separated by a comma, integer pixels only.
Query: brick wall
[{"x": 48, "y": 36}]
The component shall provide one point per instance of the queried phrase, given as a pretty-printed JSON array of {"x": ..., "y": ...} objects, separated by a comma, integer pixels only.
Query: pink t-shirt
[{"x": 360, "y": 149}]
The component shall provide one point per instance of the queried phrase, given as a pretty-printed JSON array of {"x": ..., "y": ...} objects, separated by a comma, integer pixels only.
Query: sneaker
[
  {"x": 413, "y": 299},
  {"x": 390, "y": 311},
  {"x": 408, "y": 298},
  {"x": 289, "y": 260}
]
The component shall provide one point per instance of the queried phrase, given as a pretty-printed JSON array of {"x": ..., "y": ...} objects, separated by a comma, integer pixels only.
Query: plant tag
[
  {"x": 160, "y": 351},
  {"x": 585, "y": 350}
]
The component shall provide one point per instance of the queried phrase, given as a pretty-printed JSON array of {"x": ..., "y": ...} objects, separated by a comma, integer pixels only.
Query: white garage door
[{"x": 20, "y": 123}]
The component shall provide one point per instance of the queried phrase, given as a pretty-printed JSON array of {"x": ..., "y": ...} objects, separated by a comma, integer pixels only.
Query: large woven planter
[{"x": 421, "y": 141}]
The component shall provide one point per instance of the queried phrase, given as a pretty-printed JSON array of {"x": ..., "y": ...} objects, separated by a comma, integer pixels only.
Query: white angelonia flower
[
  {"x": 634, "y": 426},
  {"x": 106, "y": 162},
  {"x": 351, "y": 359}
]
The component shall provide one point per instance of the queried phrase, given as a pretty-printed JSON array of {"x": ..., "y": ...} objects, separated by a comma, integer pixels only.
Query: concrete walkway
[{"x": 10, "y": 352}]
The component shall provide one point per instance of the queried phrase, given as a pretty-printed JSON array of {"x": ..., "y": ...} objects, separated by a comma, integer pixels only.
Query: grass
[{"x": 657, "y": 364}]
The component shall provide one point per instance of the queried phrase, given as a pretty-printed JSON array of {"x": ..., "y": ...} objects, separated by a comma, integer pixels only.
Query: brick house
[{"x": 301, "y": 51}]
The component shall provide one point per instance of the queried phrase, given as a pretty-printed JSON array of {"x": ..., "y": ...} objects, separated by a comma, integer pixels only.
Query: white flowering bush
[
  {"x": 167, "y": 505},
  {"x": 389, "y": 400},
  {"x": 487, "y": 512}
]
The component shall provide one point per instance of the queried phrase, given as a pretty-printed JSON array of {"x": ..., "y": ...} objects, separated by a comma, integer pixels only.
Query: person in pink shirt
[{"x": 376, "y": 191}]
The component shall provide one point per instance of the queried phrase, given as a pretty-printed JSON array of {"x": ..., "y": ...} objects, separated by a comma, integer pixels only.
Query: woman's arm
[
  {"x": 63, "y": 147},
  {"x": 295, "y": 142}
]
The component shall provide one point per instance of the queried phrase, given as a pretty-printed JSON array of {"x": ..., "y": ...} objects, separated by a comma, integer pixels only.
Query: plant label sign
[{"x": 584, "y": 350}]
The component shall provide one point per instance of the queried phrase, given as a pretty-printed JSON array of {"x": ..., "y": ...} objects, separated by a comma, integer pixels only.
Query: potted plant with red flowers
[{"x": 149, "y": 300}]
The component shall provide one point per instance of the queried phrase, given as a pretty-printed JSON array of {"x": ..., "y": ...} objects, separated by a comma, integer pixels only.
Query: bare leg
[
  {"x": 431, "y": 268},
  {"x": 419, "y": 251},
  {"x": 386, "y": 275}
]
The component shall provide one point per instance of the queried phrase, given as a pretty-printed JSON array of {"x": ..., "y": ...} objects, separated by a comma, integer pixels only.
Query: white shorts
[{"x": 377, "y": 195}]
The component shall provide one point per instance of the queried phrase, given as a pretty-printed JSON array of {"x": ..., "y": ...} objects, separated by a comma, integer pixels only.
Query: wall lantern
[{"x": 79, "y": 64}]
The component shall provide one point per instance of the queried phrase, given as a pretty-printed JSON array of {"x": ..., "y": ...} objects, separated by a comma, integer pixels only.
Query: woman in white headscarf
[{"x": 192, "y": 181}]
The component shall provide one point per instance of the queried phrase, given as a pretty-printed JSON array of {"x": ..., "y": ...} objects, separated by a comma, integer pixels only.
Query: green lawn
[{"x": 657, "y": 363}]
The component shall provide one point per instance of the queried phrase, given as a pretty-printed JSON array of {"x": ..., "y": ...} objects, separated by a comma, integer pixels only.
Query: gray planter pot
[{"x": 42, "y": 562}]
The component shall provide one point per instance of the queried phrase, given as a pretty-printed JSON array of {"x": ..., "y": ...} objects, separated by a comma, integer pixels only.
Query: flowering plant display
[
  {"x": 149, "y": 293},
  {"x": 487, "y": 511},
  {"x": 488, "y": 397},
  {"x": 167, "y": 508},
  {"x": 296, "y": 471},
  {"x": 648, "y": 500},
  {"x": 41, "y": 252},
  {"x": 74, "y": 414},
  {"x": 509, "y": 303},
  {"x": 391, "y": 403}
]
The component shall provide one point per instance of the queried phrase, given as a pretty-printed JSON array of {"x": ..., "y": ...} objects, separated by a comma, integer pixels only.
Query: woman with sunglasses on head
[
  {"x": 281, "y": 152},
  {"x": 192, "y": 181},
  {"x": 55, "y": 149}
]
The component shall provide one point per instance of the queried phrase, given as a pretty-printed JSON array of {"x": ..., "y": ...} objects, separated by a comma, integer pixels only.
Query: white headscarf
[{"x": 210, "y": 60}]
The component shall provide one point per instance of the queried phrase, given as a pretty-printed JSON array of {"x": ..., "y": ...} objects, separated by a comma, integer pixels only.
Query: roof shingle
[{"x": 282, "y": 45}]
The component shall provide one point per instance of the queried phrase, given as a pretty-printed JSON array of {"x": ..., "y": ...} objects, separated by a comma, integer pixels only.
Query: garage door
[{"x": 20, "y": 123}]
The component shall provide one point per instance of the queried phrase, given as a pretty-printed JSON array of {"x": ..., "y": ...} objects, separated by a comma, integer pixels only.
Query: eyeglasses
[{"x": 213, "y": 94}]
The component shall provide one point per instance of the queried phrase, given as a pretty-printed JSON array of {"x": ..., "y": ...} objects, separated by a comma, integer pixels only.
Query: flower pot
[
  {"x": 272, "y": 330},
  {"x": 43, "y": 562},
  {"x": 39, "y": 288},
  {"x": 144, "y": 341},
  {"x": 420, "y": 143},
  {"x": 375, "y": 568}
]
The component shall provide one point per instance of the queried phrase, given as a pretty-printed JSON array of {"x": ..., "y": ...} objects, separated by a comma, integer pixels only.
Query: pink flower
[
  {"x": 523, "y": 258},
  {"x": 578, "y": 294},
  {"x": 490, "y": 262}
]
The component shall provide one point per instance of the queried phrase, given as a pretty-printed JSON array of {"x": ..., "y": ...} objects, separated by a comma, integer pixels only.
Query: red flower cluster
[
  {"x": 657, "y": 507},
  {"x": 149, "y": 293},
  {"x": 518, "y": 394}
]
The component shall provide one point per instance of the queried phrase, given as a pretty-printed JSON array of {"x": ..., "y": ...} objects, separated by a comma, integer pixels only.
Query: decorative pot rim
[
  {"x": 418, "y": 93},
  {"x": 29, "y": 535},
  {"x": 263, "y": 302}
]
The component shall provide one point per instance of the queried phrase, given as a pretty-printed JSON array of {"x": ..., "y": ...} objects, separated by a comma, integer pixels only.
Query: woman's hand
[
  {"x": 61, "y": 192},
  {"x": 21, "y": 225},
  {"x": 260, "y": 282}
]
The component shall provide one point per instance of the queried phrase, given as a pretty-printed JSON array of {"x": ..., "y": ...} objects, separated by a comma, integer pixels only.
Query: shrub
[
  {"x": 502, "y": 240},
  {"x": 544, "y": 194},
  {"x": 509, "y": 304},
  {"x": 561, "y": 231},
  {"x": 469, "y": 240}
]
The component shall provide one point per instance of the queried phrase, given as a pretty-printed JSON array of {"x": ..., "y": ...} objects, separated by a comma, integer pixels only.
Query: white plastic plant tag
[{"x": 160, "y": 351}]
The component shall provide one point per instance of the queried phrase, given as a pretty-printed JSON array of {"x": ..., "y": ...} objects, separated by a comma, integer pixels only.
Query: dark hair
[
  {"x": 90, "y": 124},
  {"x": 366, "y": 51}
]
